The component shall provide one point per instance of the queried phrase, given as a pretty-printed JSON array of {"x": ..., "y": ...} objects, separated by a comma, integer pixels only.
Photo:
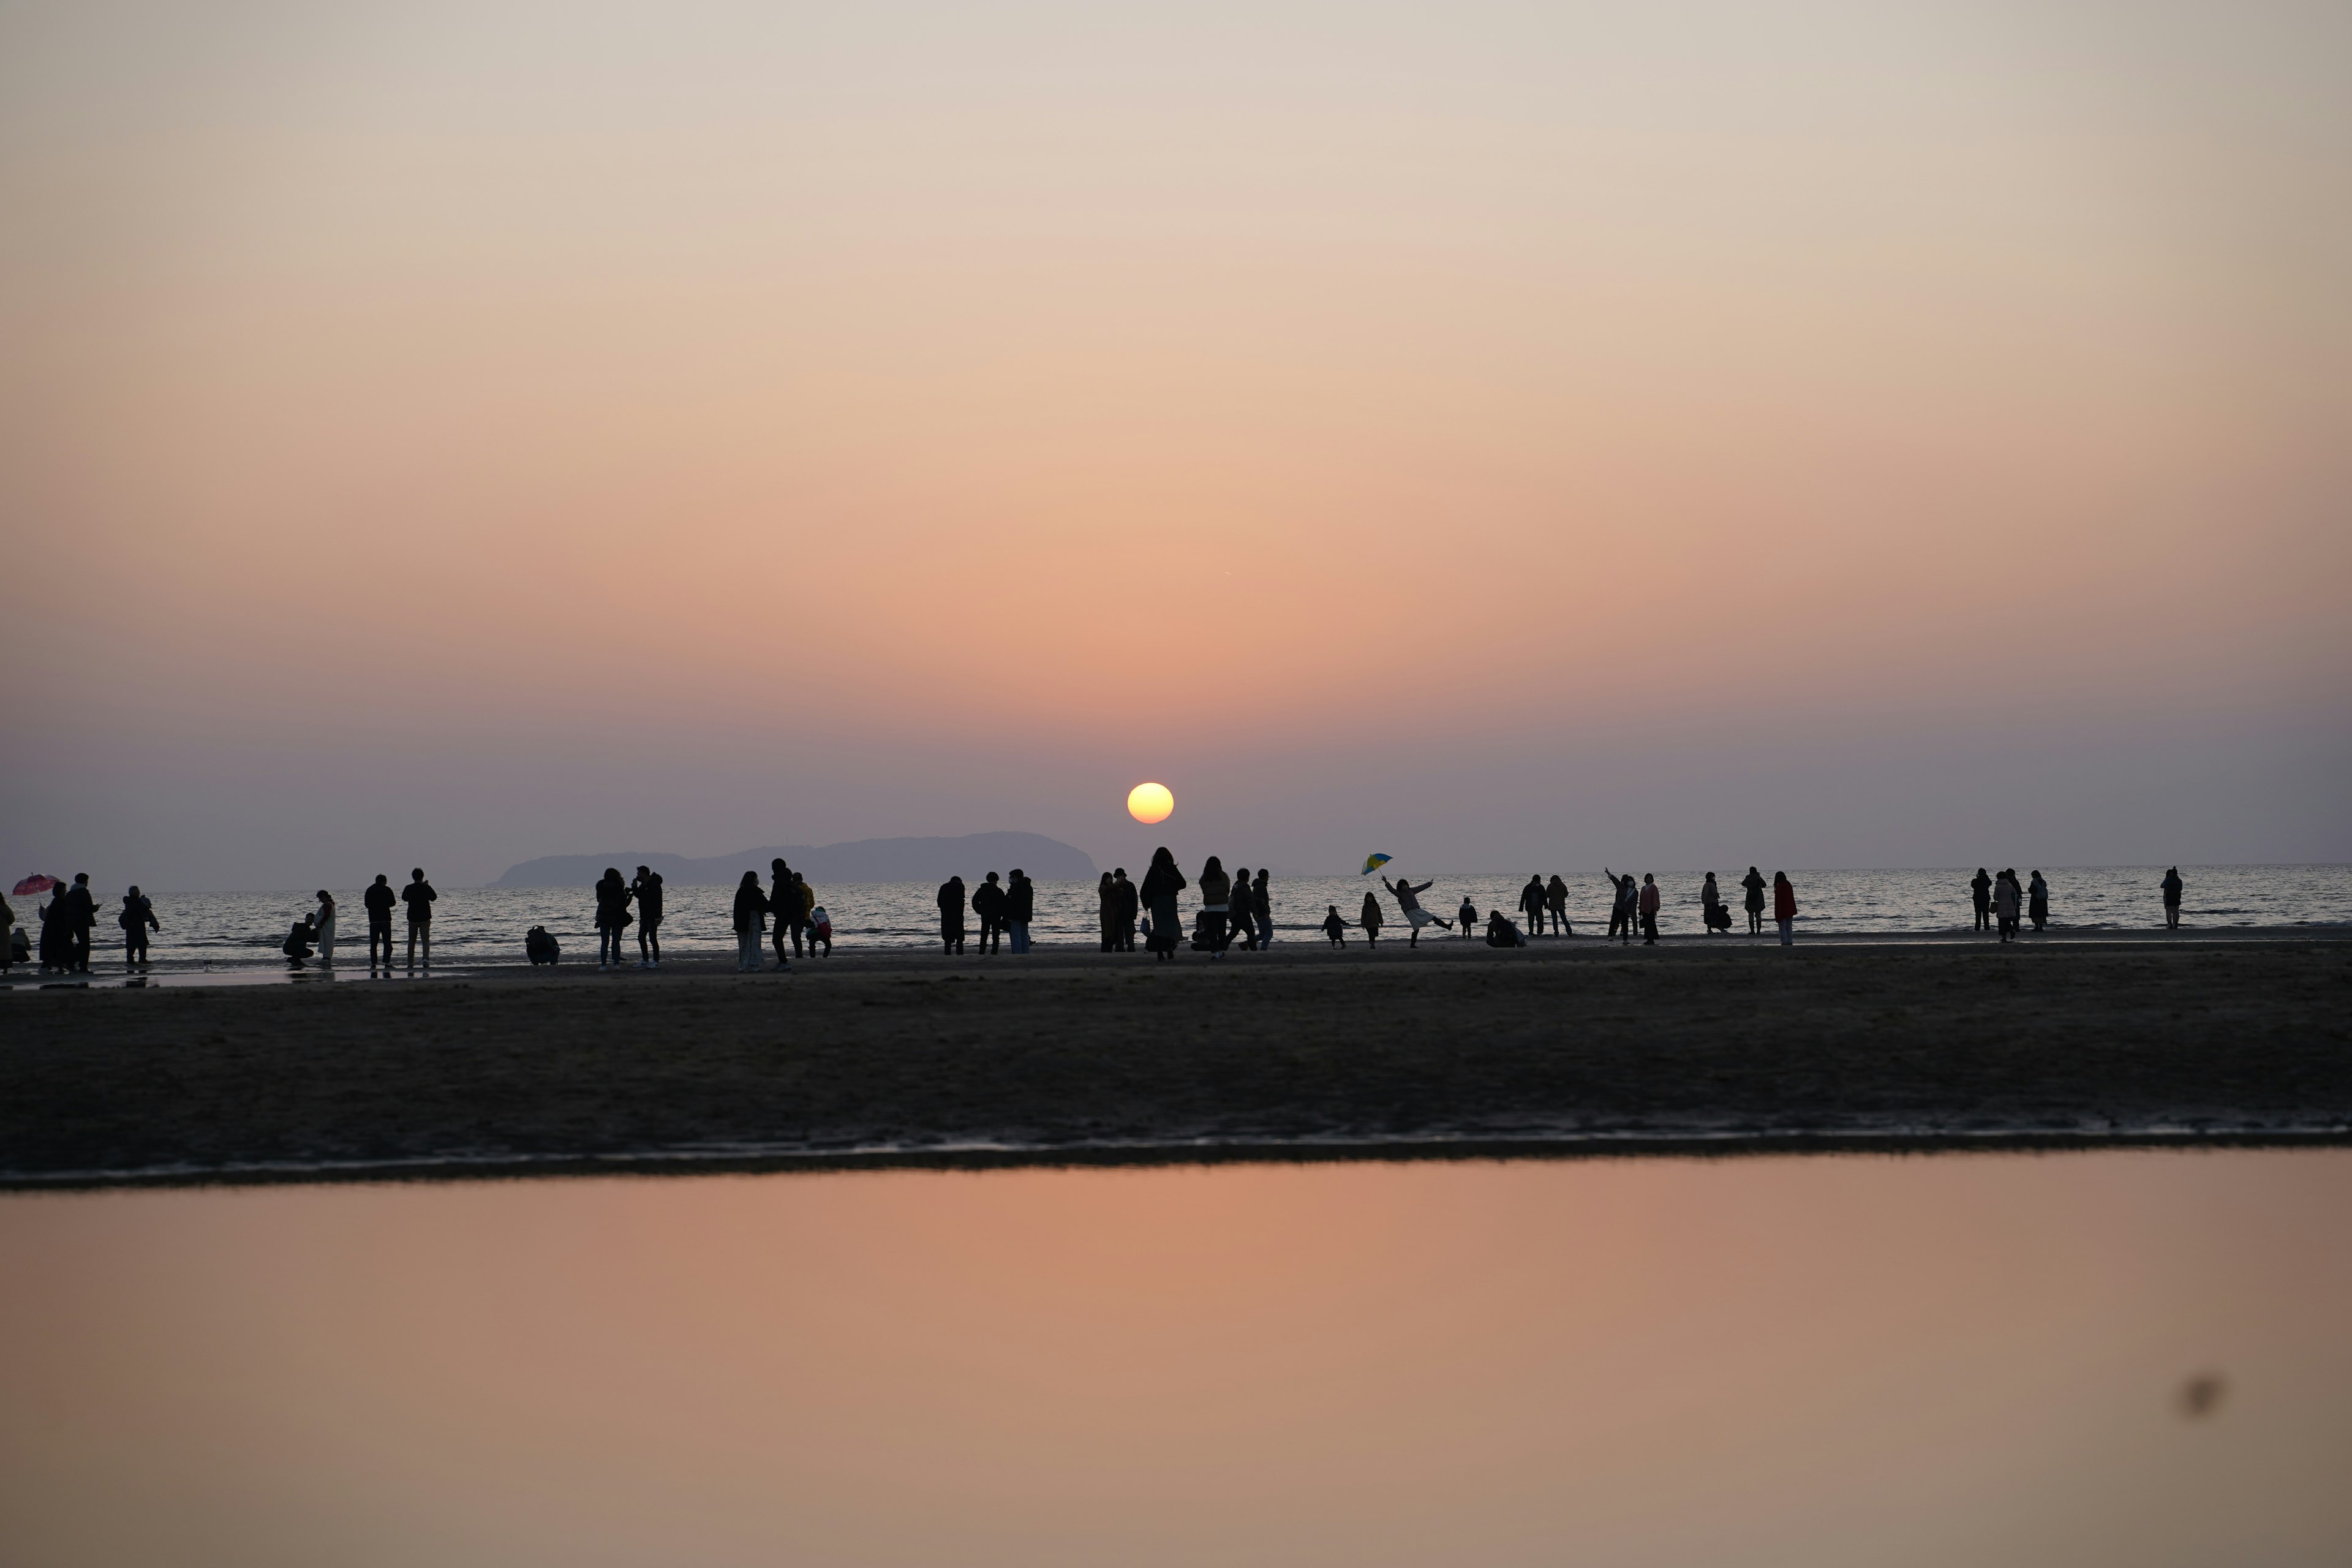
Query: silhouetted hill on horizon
[{"x": 866, "y": 860}]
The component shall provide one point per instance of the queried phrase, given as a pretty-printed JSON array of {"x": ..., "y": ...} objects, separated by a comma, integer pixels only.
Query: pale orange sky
[{"x": 807, "y": 425}]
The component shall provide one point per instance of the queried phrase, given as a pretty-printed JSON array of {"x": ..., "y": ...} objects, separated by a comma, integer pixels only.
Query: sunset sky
[{"x": 1503, "y": 435}]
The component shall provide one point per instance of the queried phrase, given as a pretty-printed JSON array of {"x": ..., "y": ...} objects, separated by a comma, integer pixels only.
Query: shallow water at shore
[
  {"x": 234, "y": 932},
  {"x": 2118, "y": 1357}
]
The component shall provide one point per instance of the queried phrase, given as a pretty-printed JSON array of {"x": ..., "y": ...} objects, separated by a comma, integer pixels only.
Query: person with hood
[
  {"x": 1467, "y": 915},
  {"x": 81, "y": 905},
  {"x": 1369, "y": 917},
  {"x": 1980, "y": 895},
  {"x": 2172, "y": 886},
  {"x": 1242, "y": 921},
  {"x": 646, "y": 889},
  {"x": 1556, "y": 901},
  {"x": 784, "y": 903},
  {"x": 419, "y": 896},
  {"x": 379, "y": 900},
  {"x": 952, "y": 916},
  {"x": 988, "y": 904},
  {"x": 750, "y": 912},
  {"x": 1216, "y": 895},
  {"x": 137, "y": 919},
  {"x": 1161, "y": 882},
  {"x": 2006, "y": 897},
  {"x": 1532, "y": 905},
  {"x": 2037, "y": 901},
  {"x": 1754, "y": 883},
  {"x": 612, "y": 917},
  {"x": 1020, "y": 907},
  {"x": 1130, "y": 905},
  {"x": 1650, "y": 899},
  {"x": 323, "y": 923},
  {"x": 1784, "y": 907},
  {"x": 1262, "y": 908},
  {"x": 1407, "y": 898}
]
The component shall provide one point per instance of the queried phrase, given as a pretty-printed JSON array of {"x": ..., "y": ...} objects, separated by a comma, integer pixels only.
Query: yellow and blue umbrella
[{"x": 1374, "y": 863}]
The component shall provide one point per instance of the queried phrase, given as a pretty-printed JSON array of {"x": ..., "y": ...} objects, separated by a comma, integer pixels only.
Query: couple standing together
[{"x": 1005, "y": 909}]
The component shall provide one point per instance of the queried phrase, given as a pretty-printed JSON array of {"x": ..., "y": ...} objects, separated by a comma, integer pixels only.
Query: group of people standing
[
  {"x": 1004, "y": 908},
  {"x": 1999, "y": 899},
  {"x": 788, "y": 897},
  {"x": 68, "y": 922}
]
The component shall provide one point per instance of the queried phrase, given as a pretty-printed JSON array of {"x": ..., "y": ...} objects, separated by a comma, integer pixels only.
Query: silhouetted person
[
  {"x": 782, "y": 896},
  {"x": 1407, "y": 898},
  {"x": 1754, "y": 883},
  {"x": 2006, "y": 897},
  {"x": 322, "y": 926},
  {"x": 57, "y": 932},
  {"x": 2037, "y": 901},
  {"x": 750, "y": 920},
  {"x": 419, "y": 896},
  {"x": 1334, "y": 927},
  {"x": 612, "y": 915},
  {"x": 820, "y": 930},
  {"x": 1131, "y": 903},
  {"x": 1106, "y": 898},
  {"x": 8, "y": 936},
  {"x": 803, "y": 913},
  {"x": 2172, "y": 886},
  {"x": 1556, "y": 901},
  {"x": 1711, "y": 915},
  {"x": 1161, "y": 882},
  {"x": 1468, "y": 915},
  {"x": 81, "y": 906},
  {"x": 988, "y": 904},
  {"x": 1238, "y": 914},
  {"x": 1371, "y": 918},
  {"x": 648, "y": 891},
  {"x": 1531, "y": 904},
  {"x": 137, "y": 919},
  {"x": 1784, "y": 907},
  {"x": 1649, "y": 906},
  {"x": 297, "y": 945},
  {"x": 380, "y": 900},
  {"x": 1262, "y": 908},
  {"x": 1217, "y": 896},
  {"x": 951, "y": 915},
  {"x": 1981, "y": 894},
  {"x": 1020, "y": 907},
  {"x": 1502, "y": 932},
  {"x": 1624, "y": 899}
]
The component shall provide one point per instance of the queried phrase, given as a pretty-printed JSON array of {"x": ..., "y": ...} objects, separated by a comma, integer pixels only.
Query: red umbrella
[{"x": 35, "y": 883}]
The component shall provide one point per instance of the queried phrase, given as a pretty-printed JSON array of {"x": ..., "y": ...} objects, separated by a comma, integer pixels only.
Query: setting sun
[{"x": 1149, "y": 802}]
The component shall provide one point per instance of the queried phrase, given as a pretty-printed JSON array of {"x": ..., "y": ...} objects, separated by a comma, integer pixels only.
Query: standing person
[
  {"x": 1020, "y": 908},
  {"x": 323, "y": 923},
  {"x": 1981, "y": 894},
  {"x": 2172, "y": 886},
  {"x": 2037, "y": 901},
  {"x": 1710, "y": 905},
  {"x": 1368, "y": 917},
  {"x": 2005, "y": 900},
  {"x": 750, "y": 907},
  {"x": 782, "y": 898},
  {"x": 57, "y": 932},
  {"x": 988, "y": 904},
  {"x": 1106, "y": 896},
  {"x": 1784, "y": 907},
  {"x": 1622, "y": 910},
  {"x": 1130, "y": 903},
  {"x": 1216, "y": 903},
  {"x": 612, "y": 915},
  {"x": 1468, "y": 915},
  {"x": 1532, "y": 905},
  {"x": 1161, "y": 882},
  {"x": 1244, "y": 921},
  {"x": 806, "y": 910},
  {"x": 1754, "y": 883},
  {"x": 1262, "y": 907},
  {"x": 379, "y": 900},
  {"x": 1334, "y": 927},
  {"x": 1649, "y": 905},
  {"x": 952, "y": 916},
  {"x": 137, "y": 919},
  {"x": 647, "y": 891},
  {"x": 1556, "y": 901},
  {"x": 419, "y": 896},
  {"x": 1407, "y": 898},
  {"x": 8, "y": 936},
  {"x": 81, "y": 907}
]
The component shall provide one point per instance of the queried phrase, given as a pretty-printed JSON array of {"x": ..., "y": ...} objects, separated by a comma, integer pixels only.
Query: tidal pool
[{"x": 2116, "y": 1357}]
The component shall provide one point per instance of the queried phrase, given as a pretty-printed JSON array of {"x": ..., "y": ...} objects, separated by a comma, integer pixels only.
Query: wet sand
[{"x": 1300, "y": 1053}]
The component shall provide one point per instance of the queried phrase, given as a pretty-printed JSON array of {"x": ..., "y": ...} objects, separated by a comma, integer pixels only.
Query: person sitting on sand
[
  {"x": 1368, "y": 917},
  {"x": 1754, "y": 883},
  {"x": 1334, "y": 927},
  {"x": 1501, "y": 932},
  {"x": 750, "y": 922},
  {"x": 1407, "y": 898},
  {"x": 137, "y": 919},
  {"x": 1467, "y": 917},
  {"x": 951, "y": 915},
  {"x": 2037, "y": 901}
]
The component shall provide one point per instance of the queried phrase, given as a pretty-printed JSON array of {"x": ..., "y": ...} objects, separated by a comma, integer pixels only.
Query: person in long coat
[
  {"x": 2037, "y": 899},
  {"x": 1161, "y": 882},
  {"x": 750, "y": 911},
  {"x": 2006, "y": 897},
  {"x": 951, "y": 915},
  {"x": 1130, "y": 903},
  {"x": 1754, "y": 883},
  {"x": 1368, "y": 917},
  {"x": 1106, "y": 898}
]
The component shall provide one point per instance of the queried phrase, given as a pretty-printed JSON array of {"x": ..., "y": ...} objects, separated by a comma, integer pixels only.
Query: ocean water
[{"x": 241, "y": 932}]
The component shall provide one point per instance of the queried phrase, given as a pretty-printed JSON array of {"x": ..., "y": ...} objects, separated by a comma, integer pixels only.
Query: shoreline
[{"x": 905, "y": 1060}]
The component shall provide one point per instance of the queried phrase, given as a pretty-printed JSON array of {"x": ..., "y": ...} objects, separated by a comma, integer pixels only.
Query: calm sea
[{"x": 242, "y": 931}]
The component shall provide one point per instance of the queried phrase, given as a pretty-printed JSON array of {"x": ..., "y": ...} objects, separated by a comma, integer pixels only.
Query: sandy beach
[{"x": 1070, "y": 1056}]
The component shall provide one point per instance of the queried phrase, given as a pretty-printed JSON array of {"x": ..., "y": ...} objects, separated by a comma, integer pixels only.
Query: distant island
[{"x": 868, "y": 860}]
